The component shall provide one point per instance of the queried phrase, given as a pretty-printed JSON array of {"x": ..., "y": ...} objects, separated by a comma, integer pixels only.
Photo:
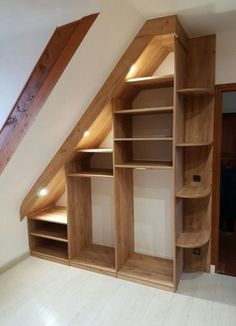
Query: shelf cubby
[
  {"x": 90, "y": 205},
  {"x": 47, "y": 230},
  {"x": 49, "y": 249},
  {"x": 91, "y": 163},
  {"x": 132, "y": 263}
]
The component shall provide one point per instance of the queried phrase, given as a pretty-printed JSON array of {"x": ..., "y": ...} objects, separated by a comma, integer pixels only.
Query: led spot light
[{"x": 43, "y": 192}]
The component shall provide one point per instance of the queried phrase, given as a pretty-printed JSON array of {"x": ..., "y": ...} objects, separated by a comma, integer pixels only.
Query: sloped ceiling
[{"x": 198, "y": 17}]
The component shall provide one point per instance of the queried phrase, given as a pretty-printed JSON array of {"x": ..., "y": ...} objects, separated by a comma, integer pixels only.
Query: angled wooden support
[
  {"x": 50, "y": 66},
  {"x": 110, "y": 89}
]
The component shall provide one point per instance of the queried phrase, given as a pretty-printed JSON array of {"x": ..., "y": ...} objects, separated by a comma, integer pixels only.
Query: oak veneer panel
[
  {"x": 51, "y": 231},
  {"x": 42, "y": 80},
  {"x": 124, "y": 215},
  {"x": 54, "y": 214},
  {"x": 80, "y": 214},
  {"x": 150, "y": 270}
]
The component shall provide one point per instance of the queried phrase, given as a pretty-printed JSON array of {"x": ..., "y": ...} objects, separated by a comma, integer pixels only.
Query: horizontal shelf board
[
  {"x": 54, "y": 214},
  {"x": 145, "y": 165},
  {"x": 98, "y": 257},
  {"x": 194, "y": 144},
  {"x": 193, "y": 239},
  {"x": 51, "y": 251},
  {"x": 152, "y": 82},
  {"x": 195, "y": 91},
  {"x": 57, "y": 234},
  {"x": 93, "y": 173},
  {"x": 194, "y": 190},
  {"x": 145, "y": 139},
  {"x": 96, "y": 150},
  {"x": 168, "y": 109},
  {"x": 148, "y": 269}
]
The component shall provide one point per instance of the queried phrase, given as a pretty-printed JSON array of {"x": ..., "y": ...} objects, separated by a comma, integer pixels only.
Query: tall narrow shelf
[
  {"x": 194, "y": 134},
  {"x": 81, "y": 171}
]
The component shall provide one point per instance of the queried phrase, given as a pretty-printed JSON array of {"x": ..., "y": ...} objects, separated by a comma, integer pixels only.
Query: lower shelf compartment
[
  {"x": 154, "y": 271},
  {"x": 96, "y": 258},
  {"x": 52, "y": 250}
]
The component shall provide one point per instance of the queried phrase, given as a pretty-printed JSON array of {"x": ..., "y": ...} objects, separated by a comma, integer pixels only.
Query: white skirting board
[{"x": 13, "y": 262}]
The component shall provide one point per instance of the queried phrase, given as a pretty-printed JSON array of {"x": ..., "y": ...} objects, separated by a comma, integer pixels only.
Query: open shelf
[
  {"x": 152, "y": 270},
  {"x": 193, "y": 239},
  {"x": 194, "y": 190},
  {"x": 96, "y": 257},
  {"x": 195, "y": 91},
  {"x": 96, "y": 150},
  {"x": 145, "y": 165},
  {"x": 152, "y": 82},
  {"x": 54, "y": 214},
  {"x": 50, "y": 249},
  {"x": 143, "y": 111},
  {"x": 194, "y": 144},
  {"x": 93, "y": 173},
  {"x": 50, "y": 231},
  {"x": 145, "y": 139}
]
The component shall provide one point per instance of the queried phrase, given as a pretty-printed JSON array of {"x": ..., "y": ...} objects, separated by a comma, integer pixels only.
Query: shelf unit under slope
[
  {"x": 172, "y": 137},
  {"x": 48, "y": 234}
]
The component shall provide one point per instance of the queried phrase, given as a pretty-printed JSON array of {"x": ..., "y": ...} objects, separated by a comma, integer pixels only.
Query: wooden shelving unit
[
  {"x": 122, "y": 221},
  {"x": 194, "y": 134},
  {"x": 48, "y": 234}
]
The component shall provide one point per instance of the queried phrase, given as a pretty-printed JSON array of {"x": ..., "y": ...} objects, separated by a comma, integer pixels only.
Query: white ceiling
[
  {"x": 17, "y": 16},
  {"x": 199, "y": 17}
]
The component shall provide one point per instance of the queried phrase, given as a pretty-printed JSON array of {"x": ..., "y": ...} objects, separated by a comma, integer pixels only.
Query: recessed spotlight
[
  {"x": 132, "y": 69},
  {"x": 86, "y": 133},
  {"x": 42, "y": 192}
]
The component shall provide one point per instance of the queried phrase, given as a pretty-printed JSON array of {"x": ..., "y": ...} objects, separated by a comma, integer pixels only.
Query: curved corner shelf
[
  {"x": 193, "y": 239},
  {"x": 194, "y": 144},
  {"x": 96, "y": 150},
  {"x": 194, "y": 191},
  {"x": 196, "y": 91}
]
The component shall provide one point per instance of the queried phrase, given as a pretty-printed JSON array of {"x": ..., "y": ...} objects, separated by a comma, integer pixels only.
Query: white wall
[
  {"x": 226, "y": 57},
  {"x": 108, "y": 38},
  {"x": 25, "y": 28}
]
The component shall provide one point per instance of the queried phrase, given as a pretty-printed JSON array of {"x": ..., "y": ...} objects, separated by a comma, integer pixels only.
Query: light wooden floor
[{"x": 37, "y": 292}]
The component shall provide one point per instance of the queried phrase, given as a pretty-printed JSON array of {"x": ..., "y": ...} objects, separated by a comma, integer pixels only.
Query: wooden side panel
[
  {"x": 180, "y": 75},
  {"x": 201, "y": 62},
  {"x": 124, "y": 215},
  {"x": 79, "y": 214},
  {"x": 56, "y": 56}
]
